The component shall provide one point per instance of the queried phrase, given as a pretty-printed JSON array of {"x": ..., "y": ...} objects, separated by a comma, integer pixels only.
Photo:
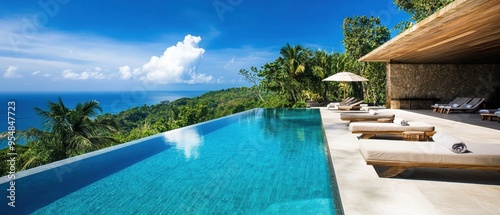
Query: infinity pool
[{"x": 262, "y": 161}]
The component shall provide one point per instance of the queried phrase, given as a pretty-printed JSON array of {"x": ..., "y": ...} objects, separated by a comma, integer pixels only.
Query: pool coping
[{"x": 427, "y": 191}]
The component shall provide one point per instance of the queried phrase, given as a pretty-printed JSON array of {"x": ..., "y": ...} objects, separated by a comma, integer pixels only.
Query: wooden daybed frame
[
  {"x": 397, "y": 167},
  {"x": 370, "y": 134},
  {"x": 368, "y": 130},
  {"x": 399, "y": 156}
]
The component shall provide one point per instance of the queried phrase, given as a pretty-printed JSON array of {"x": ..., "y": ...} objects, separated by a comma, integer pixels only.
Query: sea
[{"x": 111, "y": 102}]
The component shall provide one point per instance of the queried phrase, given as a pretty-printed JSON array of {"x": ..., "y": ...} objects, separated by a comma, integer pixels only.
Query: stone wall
[{"x": 443, "y": 81}]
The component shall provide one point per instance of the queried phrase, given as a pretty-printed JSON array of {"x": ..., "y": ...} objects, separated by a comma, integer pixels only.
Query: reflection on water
[{"x": 187, "y": 140}]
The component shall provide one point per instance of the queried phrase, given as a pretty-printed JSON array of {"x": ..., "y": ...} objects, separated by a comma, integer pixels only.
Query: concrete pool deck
[{"x": 419, "y": 190}]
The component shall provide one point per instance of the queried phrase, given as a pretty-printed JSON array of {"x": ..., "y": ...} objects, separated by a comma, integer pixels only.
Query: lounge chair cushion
[
  {"x": 366, "y": 126},
  {"x": 484, "y": 111},
  {"x": 451, "y": 143},
  {"x": 364, "y": 116},
  {"x": 482, "y": 154}
]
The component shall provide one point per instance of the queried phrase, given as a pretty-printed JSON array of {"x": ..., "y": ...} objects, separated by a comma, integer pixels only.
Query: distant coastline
[{"x": 110, "y": 101}]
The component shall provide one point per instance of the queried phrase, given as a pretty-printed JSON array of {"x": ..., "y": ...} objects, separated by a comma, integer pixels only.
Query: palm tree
[
  {"x": 320, "y": 65},
  {"x": 294, "y": 59},
  {"x": 76, "y": 130},
  {"x": 66, "y": 133}
]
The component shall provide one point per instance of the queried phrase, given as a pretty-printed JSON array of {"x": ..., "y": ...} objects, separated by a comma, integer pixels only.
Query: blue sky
[{"x": 75, "y": 45}]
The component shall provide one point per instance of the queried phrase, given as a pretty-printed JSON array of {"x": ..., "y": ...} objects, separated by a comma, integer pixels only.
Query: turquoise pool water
[{"x": 263, "y": 161}]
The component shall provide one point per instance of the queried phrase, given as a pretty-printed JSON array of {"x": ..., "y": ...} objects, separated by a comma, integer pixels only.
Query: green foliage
[
  {"x": 67, "y": 132},
  {"x": 300, "y": 104},
  {"x": 287, "y": 74},
  {"x": 5, "y": 167},
  {"x": 144, "y": 121},
  {"x": 418, "y": 10},
  {"x": 74, "y": 130},
  {"x": 252, "y": 77},
  {"x": 362, "y": 35},
  {"x": 296, "y": 76}
]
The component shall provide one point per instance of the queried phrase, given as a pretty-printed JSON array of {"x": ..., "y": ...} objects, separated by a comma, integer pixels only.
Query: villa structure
[{"x": 452, "y": 53}]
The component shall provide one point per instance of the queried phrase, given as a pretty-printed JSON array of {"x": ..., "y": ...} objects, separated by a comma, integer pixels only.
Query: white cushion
[
  {"x": 364, "y": 116},
  {"x": 483, "y": 154},
  {"x": 375, "y": 127},
  {"x": 484, "y": 111}
]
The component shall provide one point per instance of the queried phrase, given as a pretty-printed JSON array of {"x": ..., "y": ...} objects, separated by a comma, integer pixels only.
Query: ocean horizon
[{"x": 111, "y": 102}]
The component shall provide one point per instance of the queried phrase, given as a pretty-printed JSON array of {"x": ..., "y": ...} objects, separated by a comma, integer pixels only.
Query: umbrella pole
[{"x": 345, "y": 86}]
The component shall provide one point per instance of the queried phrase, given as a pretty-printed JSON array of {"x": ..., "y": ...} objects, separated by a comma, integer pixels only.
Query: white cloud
[
  {"x": 229, "y": 63},
  {"x": 125, "y": 72},
  {"x": 220, "y": 80},
  {"x": 198, "y": 78},
  {"x": 11, "y": 72},
  {"x": 60, "y": 55},
  {"x": 176, "y": 65},
  {"x": 48, "y": 50},
  {"x": 87, "y": 74}
]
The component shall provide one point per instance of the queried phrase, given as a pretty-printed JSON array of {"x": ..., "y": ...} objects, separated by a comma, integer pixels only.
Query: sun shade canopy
[
  {"x": 465, "y": 31},
  {"x": 345, "y": 77}
]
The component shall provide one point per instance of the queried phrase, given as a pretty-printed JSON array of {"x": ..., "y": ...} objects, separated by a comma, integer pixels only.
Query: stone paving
[{"x": 419, "y": 190}]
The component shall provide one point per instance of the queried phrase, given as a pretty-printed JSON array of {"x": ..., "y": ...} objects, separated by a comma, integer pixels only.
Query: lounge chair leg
[
  {"x": 392, "y": 171},
  {"x": 366, "y": 136}
]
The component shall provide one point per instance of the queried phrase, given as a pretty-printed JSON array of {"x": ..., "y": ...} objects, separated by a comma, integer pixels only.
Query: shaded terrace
[{"x": 454, "y": 52}]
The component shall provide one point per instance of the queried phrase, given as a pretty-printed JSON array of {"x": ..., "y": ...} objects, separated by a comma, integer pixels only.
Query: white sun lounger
[
  {"x": 367, "y": 129},
  {"x": 361, "y": 117},
  {"x": 401, "y": 155}
]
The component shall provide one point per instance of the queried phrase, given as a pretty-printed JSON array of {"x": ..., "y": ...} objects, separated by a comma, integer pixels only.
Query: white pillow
[
  {"x": 373, "y": 112},
  {"x": 456, "y": 105},
  {"x": 469, "y": 106},
  {"x": 497, "y": 113},
  {"x": 484, "y": 111}
]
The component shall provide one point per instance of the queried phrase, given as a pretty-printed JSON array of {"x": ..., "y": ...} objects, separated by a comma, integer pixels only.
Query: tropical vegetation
[
  {"x": 418, "y": 10},
  {"x": 66, "y": 133},
  {"x": 297, "y": 74}
]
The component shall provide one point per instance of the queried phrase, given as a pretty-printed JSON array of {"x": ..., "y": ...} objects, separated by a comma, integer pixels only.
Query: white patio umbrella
[{"x": 345, "y": 77}]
